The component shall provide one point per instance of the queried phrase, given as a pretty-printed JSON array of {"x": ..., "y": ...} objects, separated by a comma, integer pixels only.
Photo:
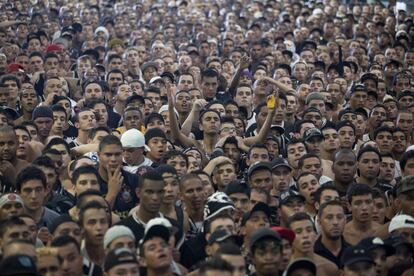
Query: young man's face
[
  {"x": 261, "y": 179},
  {"x": 281, "y": 178},
  {"x": 33, "y": 194},
  {"x": 257, "y": 220},
  {"x": 305, "y": 236},
  {"x": 346, "y": 137},
  {"x": 369, "y": 165},
  {"x": 361, "y": 207},
  {"x": 132, "y": 119},
  {"x": 8, "y": 146},
  {"x": 94, "y": 225},
  {"x": 158, "y": 147},
  {"x": 267, "y": 258},
  {"x": 151, "y": 195},
  {"x": 15, "y": 232},
  {"x": 157, "y": 254},
  {"x": 223, "y": 175},
  {"x": 179, "y": 163},
  {"x": 72, "y": 259},
  {"x": 110, "y": 157},
  {"x": 307, "y": 187},
  {"x": 85, "y": 182},
  {"x": 295, "y": 152},
  {"x": 258, "y": 155},
  {"x": 48, "y": 265}
]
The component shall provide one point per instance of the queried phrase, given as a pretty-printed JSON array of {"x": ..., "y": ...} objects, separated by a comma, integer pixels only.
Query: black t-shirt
[
  {"x": 321, "y": 250},
  {"x": 126, "y": 198},
  {"x": 193, "y": 251}
]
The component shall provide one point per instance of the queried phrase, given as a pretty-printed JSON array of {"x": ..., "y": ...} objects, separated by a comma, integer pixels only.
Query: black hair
[
  {"x": 306, "y": 156},
  {"x": 6, "y": 224},
  {"x": 215, "y": 264},
  {"x": 57, "y": 141},
  {"x": 318, "y": 193},
  {"x": 30, "y": 173},
  {"x": 172, "y": 153},
  {"x": 44, "y": 161},
  {"x": 65, "y": 240},
  {"x": 329, "y": 203},
  {"x": 382, "y": 129},
  {"x": 257, "y": 146},
  {"x": 358, "y": 190},
  {"x": 109, "y": 140},
  {"x": 405, "y": 157},
  {"x": 368, "y": 149},
  {"x": 298, "y": 217},
  {"x": 89, "y": 205},
  {"x": 84, "y": 170}
]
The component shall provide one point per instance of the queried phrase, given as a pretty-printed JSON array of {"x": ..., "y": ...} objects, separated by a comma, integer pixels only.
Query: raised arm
[
  {"x": 282, "y": 87},
  {"x": 176, "y": 134},
  {"x": 265, "y": 128},
  {"x": 214, "y": 163},
  {"x": 193, "y": 116},
  {"x": 244, "y": 64}
]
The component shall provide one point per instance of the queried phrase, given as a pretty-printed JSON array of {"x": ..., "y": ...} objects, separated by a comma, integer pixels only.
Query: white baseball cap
[
  {"x": 133, "y": 138},
  {"x": 401, "y": 221}
]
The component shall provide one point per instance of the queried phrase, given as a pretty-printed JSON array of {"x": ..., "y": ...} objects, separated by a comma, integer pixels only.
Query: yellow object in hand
[{"x": 271, "y": 102}]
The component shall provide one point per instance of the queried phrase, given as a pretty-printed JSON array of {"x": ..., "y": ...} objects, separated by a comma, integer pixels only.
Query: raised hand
[{"x": 115, "y": 180}]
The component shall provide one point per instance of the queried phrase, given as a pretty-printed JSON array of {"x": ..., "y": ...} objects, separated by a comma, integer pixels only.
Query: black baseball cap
[
  {"x": 262, "y": 233},
  {"x": 257, "y": 166},
  {"x": 280, "y": 162},
  {"x": 18, "y": 264},
  {"x": 119, "y": 256},
  {"x": 260, "y": 206},
  {"x": 289, "y": 196},
  {"x": 371, "y": 243},
  {"x": 355, "y": 254},
  {"x": 301, "y": 263},
  {"x": 311, "y": 133}
]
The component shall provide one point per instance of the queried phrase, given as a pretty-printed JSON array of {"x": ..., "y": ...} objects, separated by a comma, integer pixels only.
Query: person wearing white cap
[
  {"x": 133, "y": 144},
  {"x": 119, "y": 236},
  {"x": 403, "y": 225},
  {"x": 10, "y": 205}
]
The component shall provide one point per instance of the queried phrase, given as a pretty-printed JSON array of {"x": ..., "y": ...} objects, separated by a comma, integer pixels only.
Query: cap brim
[
  {"x": 157, "y": 231},
  {"x": 358, "y": 259},
  {"x": 301, "y": 263},
  {"x": 282, "y": 165},
  {"x": 260, "y": 206}
]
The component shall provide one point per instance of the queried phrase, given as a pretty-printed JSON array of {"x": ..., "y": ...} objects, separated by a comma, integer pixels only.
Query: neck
[
  {"x": 145, "y": 216},
  {"x": 210, "y": 142},
  {"x": 290, "y": 118},
  {"x": 327, "y": 155},
  {"x": 332, "y": 245},
  {"x": 83, "y": 136},
  {"x": 195, "y": 214},
  {"x": 310, "y": 208},
  {"x": 139, "y": 160},
  {"x": 35, "y": 214},
  {"x": 342, "y": 187},
  {"x": 119, "y": 107},
  {"x": 296, "y": 255},
  {"x": 160, "y": 272},
  {"x": 362, "y": 226},
  {"x": 27, "y": 115},
  {"x": 369, "y": 182},
  {"x": 167, "y": 208},
  {"x": 103, "y": 173},
  {"x": 95, "y": 252}
]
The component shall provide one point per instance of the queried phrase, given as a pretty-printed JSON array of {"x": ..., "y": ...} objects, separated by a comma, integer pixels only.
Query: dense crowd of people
[{"x": 206, "y": 138}]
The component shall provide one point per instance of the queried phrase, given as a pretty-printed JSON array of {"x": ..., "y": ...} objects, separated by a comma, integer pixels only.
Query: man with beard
[
  {"x": 303, "y": 245},
  {"x": 307, "y": 184},
  {"x": 10, "y": 165},
  {"x": 344, "y": 168},
  {"x": 331, "y": 244},
  {"x": 361, "y": 203},
  {"x": 43, "y": 118}
]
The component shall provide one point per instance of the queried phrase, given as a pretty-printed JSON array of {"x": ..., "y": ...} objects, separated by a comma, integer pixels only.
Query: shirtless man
[
  {"x": 10, "y": 165},
  {"x": 304, "y": 242},
  {"x": 361, "y": 203}
]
